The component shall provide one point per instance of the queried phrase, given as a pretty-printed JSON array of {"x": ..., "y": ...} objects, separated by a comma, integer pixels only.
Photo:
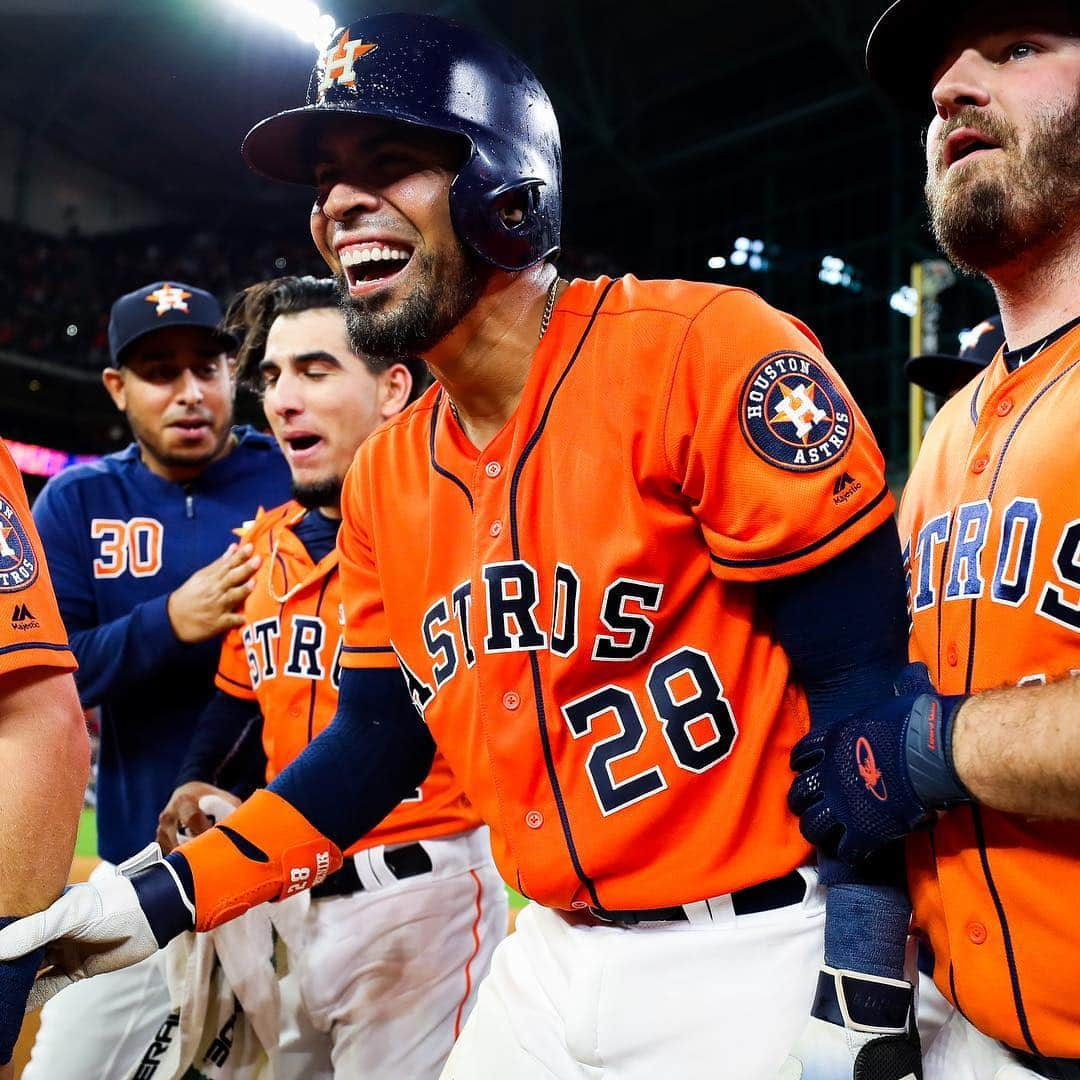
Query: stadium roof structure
[
  {"x": 685, "y": 126},
  {"x": 662, "y": 106}
]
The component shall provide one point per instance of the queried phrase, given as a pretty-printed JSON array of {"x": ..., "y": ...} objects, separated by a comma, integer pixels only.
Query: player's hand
[
  {"x": 186, "y": 814},
  {"x": 207, "y": 603},
  {"x": 860, "y": 1026},
  {"x": 877, "y": 776},
  {"x": 94, "y": 927}
]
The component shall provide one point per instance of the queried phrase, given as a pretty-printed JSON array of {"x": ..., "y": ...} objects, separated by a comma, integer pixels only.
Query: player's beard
[
  {"x": 318, "y": 493},
  {"x": 992, "y": 214},
  {"x": 448, "y": 289}
]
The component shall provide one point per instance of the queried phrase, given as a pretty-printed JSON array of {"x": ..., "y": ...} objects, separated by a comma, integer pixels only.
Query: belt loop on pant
[{"x": 374, "y": 869}]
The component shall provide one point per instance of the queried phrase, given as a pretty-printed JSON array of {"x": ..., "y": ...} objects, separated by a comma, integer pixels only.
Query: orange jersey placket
[{"x": 531, "y": 829}]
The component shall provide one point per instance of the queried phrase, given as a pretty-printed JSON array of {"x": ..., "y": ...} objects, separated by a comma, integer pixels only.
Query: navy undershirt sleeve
[
  {"x": 228, "y": 732},
  {"x": 375, "y": 752},
  {"x": 844, "y": 628}
]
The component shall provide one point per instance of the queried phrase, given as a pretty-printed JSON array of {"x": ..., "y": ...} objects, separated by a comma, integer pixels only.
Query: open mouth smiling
[{"x": 372, "y": 263}]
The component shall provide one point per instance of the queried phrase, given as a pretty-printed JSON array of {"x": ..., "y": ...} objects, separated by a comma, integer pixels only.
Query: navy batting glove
[{"x": 877, "y": 776}]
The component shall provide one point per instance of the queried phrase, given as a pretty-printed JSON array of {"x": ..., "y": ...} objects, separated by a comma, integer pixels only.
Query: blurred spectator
[{"x": 50, "y": 284}]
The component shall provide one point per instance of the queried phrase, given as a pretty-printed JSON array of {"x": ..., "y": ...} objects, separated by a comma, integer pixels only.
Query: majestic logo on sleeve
[
  {"x": 793, "y": 414},
  {"x": 18, "y": 563}
]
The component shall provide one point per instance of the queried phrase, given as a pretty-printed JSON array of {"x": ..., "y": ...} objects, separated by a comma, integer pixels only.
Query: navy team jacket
[{"x": 119, "y": 539}]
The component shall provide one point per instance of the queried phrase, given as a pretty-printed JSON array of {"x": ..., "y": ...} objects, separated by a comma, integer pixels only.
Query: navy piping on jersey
[
  {"x": 232, "y": 682},
  {"x": 54, "y": 646},
  {"x": 441, "y": 470},
  {"x": 367, "y": 648},
  {"x": 991, "y": 884},
  {"x": 545, "y": 741},
  {"x": 776, "y": 560},
  {"x": 941, "y": 582},
  {"x": 1006, "y": 936},
  {"x": 315, "y": 682},
  {"x": 1020, "y": 419},
  {"x": 975, "y": 402}
]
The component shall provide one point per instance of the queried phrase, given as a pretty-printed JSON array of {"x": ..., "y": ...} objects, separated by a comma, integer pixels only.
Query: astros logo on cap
[
  {"x": 793, "y": 414},
  {"x": 18, "y": 563},
  {"x": 338, "y": 63},
  {"x": 169, "y": 298}
]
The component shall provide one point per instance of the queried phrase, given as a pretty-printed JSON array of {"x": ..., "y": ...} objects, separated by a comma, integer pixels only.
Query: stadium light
[
  {"x": 717, "y": 262},
  {"x": 748, "y": 253},
  {"x": 834, "y": 271},
  {"x": 905, "y": 300},
  {"x": 302, "y": 17}
]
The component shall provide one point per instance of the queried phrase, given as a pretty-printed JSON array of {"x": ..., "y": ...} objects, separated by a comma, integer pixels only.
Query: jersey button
[
  {"x": 493, "y": 468},
  {"x": 511, "y": 700},
  {"x": 979, "y": 464},
  {"x": 976, "y": 932},
  {"x": 496, "y": 528},
  {"x": 1004, "y": 407},
  {"x": 534, "y": 819},
  {"x": 295, "y": 711},
  {"x": 952, "y": 654}
]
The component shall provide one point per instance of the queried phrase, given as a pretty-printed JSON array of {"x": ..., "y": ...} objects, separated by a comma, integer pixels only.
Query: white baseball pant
[
  {"x": 723, "y": 1000},
  {"x": 380, "y": 982}
]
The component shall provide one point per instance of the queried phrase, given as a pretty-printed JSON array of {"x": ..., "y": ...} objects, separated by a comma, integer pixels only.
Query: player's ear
[
  {"x": 395, "y": 385},
  {"x": 113, "y": 379}
]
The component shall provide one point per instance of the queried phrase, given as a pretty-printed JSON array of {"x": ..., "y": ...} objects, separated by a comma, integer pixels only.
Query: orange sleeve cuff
[{"x": 265, "y": 850}]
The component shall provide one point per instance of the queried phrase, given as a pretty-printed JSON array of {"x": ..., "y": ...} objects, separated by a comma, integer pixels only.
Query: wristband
[
  {"x": 928, "y": 752},
  {"x": 266, "y": 850}
]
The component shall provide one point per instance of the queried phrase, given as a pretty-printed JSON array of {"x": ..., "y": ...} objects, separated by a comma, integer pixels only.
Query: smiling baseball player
[{"x": 636, "y": 536}]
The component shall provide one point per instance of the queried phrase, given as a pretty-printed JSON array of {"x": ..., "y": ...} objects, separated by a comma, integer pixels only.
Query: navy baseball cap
[
  {"x": 161, "y": 304},
  {"x": 945, "y": 373},
  {"x": 911, "y": 38}
]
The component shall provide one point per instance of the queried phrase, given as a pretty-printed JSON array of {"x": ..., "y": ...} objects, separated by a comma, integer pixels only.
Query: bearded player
[
  {"x": 989, "y": 519},
  {"x": 634, "y": 538},
  {"x": 385, "y": 957}
]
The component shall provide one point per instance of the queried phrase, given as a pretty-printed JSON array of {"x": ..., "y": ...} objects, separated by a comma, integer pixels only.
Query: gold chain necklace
[{"x": 545, "y": 320}]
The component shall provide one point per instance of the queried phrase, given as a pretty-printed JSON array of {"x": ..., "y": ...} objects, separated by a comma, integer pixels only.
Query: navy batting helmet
[{"x": 423, "y": 70}]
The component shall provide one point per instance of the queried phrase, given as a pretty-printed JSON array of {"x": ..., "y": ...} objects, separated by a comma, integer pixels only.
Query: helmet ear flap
[{"x": 515, "y": 205}]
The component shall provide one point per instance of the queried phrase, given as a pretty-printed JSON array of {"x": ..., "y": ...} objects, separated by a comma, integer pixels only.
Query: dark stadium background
[{"x": 685, "y": 126}]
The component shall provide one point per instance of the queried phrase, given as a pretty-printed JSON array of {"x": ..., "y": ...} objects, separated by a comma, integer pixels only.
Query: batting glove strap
[
  {"x": 165, "y": 892},
  {"x": 866, "y": 1003},
  {"x": 266, "y": 851},
  {"x": 928, "y": 750}
]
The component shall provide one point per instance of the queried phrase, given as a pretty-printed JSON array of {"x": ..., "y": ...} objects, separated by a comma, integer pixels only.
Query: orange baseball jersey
[
  {"x": 31, "y": 631},
  {"x": 991, "y": 529},
  {"x": 575, "y": 606},
  {"x": 286, "y": 657}
]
